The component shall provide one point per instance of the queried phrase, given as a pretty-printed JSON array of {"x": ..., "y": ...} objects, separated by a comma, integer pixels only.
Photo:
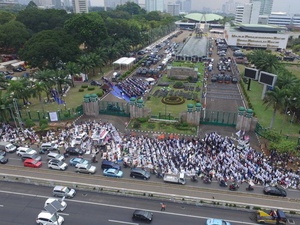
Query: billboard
[
  {"x": 251, "y": 73},
  {"x": 267, "y": 78}
]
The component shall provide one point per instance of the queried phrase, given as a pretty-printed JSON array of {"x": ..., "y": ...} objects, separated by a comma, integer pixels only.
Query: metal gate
[
  {"x": 114, "y": 108},
  {"x": 218, "y": 118}
]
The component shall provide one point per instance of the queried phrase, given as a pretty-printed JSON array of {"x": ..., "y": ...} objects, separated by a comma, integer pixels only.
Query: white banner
[{"x": 53, "y": 116}]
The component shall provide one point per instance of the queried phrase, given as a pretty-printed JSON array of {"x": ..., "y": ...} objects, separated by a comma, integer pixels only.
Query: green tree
[
  {"x": 72, "y": 68},
  {"x": 131, "y": 8},
  {"x": 5, "y": 102},
  {"x": 264, "y": 61},
  {"x": 49, "y": 48},
  {"x": 276, "y": 100},
  {"x": 85, "y": 64},
  {"x": 13, "y": 35},
  {"x": 3, "y": 82},
  {"x": 20, "y": 89},
  {"x": 88, "y": 29},
  {"x": 61, "y": 78},
  {"x": 46, "y": 78},
  {"x": 38, "y": 88},
  {"x": 6, "y": 17}
]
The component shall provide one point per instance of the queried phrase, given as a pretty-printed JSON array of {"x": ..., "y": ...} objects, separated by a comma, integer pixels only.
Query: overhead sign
[
  {"x": 267, "y": 78},
  {"x": 251, "y": 73}
]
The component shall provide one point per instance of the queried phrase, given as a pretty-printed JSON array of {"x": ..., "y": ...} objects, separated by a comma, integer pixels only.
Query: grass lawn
[
  {"x": 282, "y": 122},
  {"x": 163, "y": 127},
  {"x": 295, "y": 69}
]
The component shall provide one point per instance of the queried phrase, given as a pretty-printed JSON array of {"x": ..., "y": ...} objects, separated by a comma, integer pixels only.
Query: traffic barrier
[{"x": 138, "y": 193}]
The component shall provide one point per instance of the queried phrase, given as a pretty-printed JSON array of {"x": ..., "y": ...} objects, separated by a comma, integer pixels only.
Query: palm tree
[
  {"x": 112, "y": 53},
  {"x": 3, "y": 82},
  {"x": 61, "y": 78},
  {"x": 264, "y": 61},
  {"x": 46, "y": 77},
  {"x": 20, "y": 89},
  {"x": 95, "y": 59},
  {"x": 38, "y": 88},
  {"x": 72, "y": 68},
  {"x": 5, "y": 101},
  {"x": 276, "y": 100},
  {"x": 287, "y": 80},
  {"x": 103, "y": 58},
  {"x": 85, "y": 64}
]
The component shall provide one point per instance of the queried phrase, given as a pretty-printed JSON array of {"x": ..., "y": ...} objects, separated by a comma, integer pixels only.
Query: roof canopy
[
  {"x": 124, "y": 61},
  {"x": 199, "y": 17}
]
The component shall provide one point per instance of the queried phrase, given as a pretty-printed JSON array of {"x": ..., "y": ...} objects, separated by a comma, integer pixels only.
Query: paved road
[{"x": 21, "y": 204}]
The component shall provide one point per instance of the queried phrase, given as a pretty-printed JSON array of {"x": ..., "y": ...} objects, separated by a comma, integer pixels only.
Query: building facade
[
  {"x": 80, "y": 6},
  {"x": 173, "y": 9},
  {"x": 248, "y": 13},
  {"x": 265, "y": 6},
  {"x": 256, "y": 36},
  {"x": 154, "y": 5}
]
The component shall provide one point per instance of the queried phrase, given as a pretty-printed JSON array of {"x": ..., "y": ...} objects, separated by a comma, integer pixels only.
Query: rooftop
[
  {"x": 203, "y": 17},
  {"x": 262, "y": 28}
]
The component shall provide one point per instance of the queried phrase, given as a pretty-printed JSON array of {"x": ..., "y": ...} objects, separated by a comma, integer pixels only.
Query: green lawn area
[
  {"x": 282, "y": 122},
  {"x": 295, "y": 69}
]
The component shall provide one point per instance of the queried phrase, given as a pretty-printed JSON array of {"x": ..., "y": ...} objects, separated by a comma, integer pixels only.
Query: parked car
[
  {"x": 95, "y": 83},
  {"x": 3, "y": 159},
  {"x": 63, "y": 191},
  {"x": 46, "y": 218},
  {"x": 139, "y": 173},
  {"x": 216, "y": 222},
  {"x": 142, "y": 215},
  {"x": 112, "y": 172},
  {"x": 74, "y": 151},
  {"x": 61, "y": 201},
  {"x": 109, "y": 164},
  {"x": 54, "y": 155},
  {"x": 57, "y": 164},
  {"x": 32, "y": 163},
  {"x": 2, "y": 153},
  {"x": 75, "y": 161},
  {"x": 273, "y": 217},
  {"x": 85, "y": 168},
  {"x": 31, "y": 156},
  {"x": 25, "y": 150},
  {"x": 276, "y": 190}
]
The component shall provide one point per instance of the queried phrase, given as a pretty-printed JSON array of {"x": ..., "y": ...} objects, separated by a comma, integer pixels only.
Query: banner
[{"x": 53, "y": 116}]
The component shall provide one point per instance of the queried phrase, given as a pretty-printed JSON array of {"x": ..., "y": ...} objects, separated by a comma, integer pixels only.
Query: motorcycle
[
  {"x": 249, "y": 188},
  {"x": 94, "y": 159},
  {"x": 207, "y": 180},
  {"x": 194, "y": 179},
  {"x": 234, "y": 187},
  {"x": 223, "y": 183}
]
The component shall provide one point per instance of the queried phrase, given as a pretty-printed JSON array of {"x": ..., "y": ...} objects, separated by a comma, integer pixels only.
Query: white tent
[{"x": 124, "y": 61}]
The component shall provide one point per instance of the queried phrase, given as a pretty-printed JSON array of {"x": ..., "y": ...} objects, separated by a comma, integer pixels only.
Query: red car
[{"x": 32, "y": 163}]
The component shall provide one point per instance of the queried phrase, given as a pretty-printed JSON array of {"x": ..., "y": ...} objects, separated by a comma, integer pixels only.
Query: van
[
  {"x": 8, "y": 147},
  {"x": 109, "y": 164},
  {"x": 63, "y": 191},
  {"x": 139, "y": 173},
  {"x": 174, "y": 178},
  {"x": 47, "y": 218},
  {"x": 80, "y": 138}
]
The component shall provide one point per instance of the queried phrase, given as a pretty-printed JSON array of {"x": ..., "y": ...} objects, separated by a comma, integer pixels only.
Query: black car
[
  {"x": 95, "y": 83},
  {"x": 3, "y": 160},
  {"x": 139, "y": 173},
  {"x": 142, "y": 215},
  {"x": 31, "y": 156},
  {"x": 277, "y": 191},
  {"x": 109, "y": 164},
  {"x": 74, "y": 151}
]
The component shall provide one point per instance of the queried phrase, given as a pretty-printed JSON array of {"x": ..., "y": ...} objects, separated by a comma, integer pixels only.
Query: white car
[
  {"x": 85, "y": 168},
  {"x": 61, "y": 201},
  {"x": 46, "y": 218},
  {"x": 25, "y": 150},
  {"x": 54, "y": 155},
  {"x": 57, "y": 164}
]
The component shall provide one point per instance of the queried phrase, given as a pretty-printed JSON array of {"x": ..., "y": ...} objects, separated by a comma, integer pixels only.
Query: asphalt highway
[{"x": 21, "y": 203}]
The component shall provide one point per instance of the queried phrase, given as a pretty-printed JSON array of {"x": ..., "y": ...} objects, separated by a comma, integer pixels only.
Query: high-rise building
[
  {"x": 154, "y": 5},
  {"x": 114, "y": 3},
  {"x": 173, "y": 9},
  {"x": 187, "y": 6},
  {"x": 248, "y": 13},
  {"x": 229, "y": 7},
  {"x": 80, "y": 6},
  {"x": 265, "y": 6}
]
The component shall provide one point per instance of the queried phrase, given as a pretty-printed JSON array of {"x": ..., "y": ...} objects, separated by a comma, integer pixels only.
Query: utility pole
[{"x": 16, "y": 108}]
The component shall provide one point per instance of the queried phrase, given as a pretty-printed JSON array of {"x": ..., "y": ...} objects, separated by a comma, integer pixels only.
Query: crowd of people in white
[{"x": 213, "y": 155}]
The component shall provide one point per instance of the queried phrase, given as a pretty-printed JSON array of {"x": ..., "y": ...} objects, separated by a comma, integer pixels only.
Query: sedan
[
  {"x": 57, "y": 164},
  {"x": 2, "y": 153},
  {"x": 75, "y": 161},
  {"x": 85, "y": 168},
  {"x": 3, "y": 159},
  {"x": 53, "y": 201},
  {"x": 112, "y": 172},
  {"x": 216, "y": 222},
  {"x": 32, "y": 163},
  {"x": 277, "y": 191},
  {"x": 74, "y": 151}
]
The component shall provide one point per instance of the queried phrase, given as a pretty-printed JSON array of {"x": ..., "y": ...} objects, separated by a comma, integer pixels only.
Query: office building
[
  {"x": 173, "y": 9},
  {"x": 265, "y": 6},
  {"x": 229, "y": 7},
  {"x": 154, "y": 5},
  {"x": 80, "y": 6},
  {"x": 248, "y": 13},
  {"x": 280, "y": 19}
]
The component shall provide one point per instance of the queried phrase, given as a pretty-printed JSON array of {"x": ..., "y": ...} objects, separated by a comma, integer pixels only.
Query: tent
[{"x": 124, "y": 61}]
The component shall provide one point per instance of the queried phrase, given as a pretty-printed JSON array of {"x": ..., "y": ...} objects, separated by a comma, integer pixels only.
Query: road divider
[{"x": 146, "y": 194}]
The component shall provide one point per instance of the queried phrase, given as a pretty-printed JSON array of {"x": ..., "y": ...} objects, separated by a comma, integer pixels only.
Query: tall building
[
  {"x": 114, "y": 3},
  {"x": 248, "y": 13},
  {"x": 265, "y": 6},
  {"x": 154, "y": 5},
  {"x": 187, "y": 6},
  {"x": 229, "y": 7},
  {"x": 80, "y": 6},
  {"x": 173, "y": 9}
]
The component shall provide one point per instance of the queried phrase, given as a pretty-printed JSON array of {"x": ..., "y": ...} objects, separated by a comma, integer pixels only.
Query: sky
[{"x": 278, "y": 6}]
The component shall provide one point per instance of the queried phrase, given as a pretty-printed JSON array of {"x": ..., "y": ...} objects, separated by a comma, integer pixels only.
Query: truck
[
  {"x": 7, "y": 146},
  {"x": 174, "y": 178}
]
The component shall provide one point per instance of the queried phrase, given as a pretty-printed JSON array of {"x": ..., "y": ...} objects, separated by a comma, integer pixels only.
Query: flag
[{"x": 238, "y": 133}]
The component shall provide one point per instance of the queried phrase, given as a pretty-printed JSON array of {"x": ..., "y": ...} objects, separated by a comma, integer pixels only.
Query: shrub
[
  {"x": 143, "y": 119},
  {"x": 84, "y": 86},
  {"x": 91, "y": 88},
  {"x": 81, "y": 90},
  {"x": 29, "y": 123},
  {"x": 151, "y": 126},
  {"x": 173, "y": 100},
  {"x": 99, "y": 94},
  {"x": 178, "y": 84},
  {"x": 136, "y": 125}
]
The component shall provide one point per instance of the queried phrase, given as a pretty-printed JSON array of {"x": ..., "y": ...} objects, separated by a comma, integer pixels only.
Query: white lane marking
[
  {"x": 124, "y": 207},
  {"x": 64, "y": 214},
  {"x": 122, "y": 222},
  {"x": 1, "y": 205}
]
